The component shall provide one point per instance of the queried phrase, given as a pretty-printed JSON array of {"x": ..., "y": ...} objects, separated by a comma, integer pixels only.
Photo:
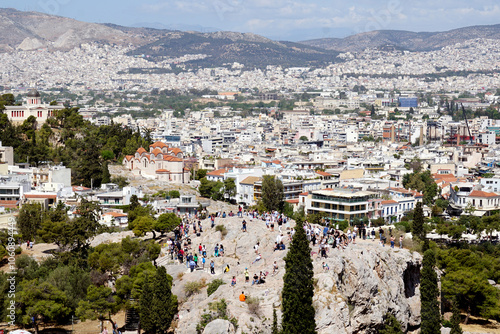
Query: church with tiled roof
[{"x": 161, "y": 162}]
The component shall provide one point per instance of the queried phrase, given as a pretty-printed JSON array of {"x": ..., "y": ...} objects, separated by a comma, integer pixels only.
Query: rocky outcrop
[{"x": 364, "y": 282}]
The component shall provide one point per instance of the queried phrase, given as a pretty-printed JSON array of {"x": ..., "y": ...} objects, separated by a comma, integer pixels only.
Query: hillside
[
  {"x": 365, "y": 281},
  {"x": 414, "y": 41},
  {"x": 229, "y": 47},
  {"x": 32, "y": 30}
]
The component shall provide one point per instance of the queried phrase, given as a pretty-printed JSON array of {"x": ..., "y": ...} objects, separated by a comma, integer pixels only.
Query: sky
[{"x": 292, "y": 20}]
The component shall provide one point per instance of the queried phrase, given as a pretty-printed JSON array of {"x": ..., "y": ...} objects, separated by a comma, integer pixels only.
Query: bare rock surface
[{"x": 364, "y": 282}]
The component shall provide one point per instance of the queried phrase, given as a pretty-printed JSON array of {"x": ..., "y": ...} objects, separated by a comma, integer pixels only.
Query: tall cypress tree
[
  {"x": 274, "y": 329},
  {"x": 163, "y": 305},
  {"x": 298, "y": 289},
  {"x": 429, "y": 292},
  {"x": 455, "y": 319},
  {"x": 417, "y": 229},
  {"x": 145, "y": 311}
]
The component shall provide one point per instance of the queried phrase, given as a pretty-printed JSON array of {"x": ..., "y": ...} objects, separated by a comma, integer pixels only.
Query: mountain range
[{"x": 21, "y": 30}]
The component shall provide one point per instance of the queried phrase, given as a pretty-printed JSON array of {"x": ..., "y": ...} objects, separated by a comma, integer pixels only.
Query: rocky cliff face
[{"x": 364, "y": 282}]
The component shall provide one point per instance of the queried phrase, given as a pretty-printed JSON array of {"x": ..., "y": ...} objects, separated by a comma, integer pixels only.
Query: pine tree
[
  {"x": 298, "y": 289},
  {"x": 145, "y": 311},
  {"x": 274, "y": 329},
  {"x": 162, "y": 306},
  {"x": 455, "y": 319},
  {"x": 417, "y": 229},
  {"x": 272, "y": 193},
  {"x": 428, "y": 296}
]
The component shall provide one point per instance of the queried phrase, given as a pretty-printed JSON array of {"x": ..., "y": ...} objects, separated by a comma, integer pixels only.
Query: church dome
[{"x": 33, "y": 93}]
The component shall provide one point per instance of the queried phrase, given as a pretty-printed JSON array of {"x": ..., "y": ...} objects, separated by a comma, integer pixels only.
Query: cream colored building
[{"x": 32, "y": 107}]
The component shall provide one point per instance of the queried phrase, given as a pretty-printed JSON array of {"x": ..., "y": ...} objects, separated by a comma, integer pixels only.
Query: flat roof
[{"x": 343, "y": 193}]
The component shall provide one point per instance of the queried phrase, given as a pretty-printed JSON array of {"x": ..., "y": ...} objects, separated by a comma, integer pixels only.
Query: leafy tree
[
  {"x": 40, "y": 302},
  {"x": 174, "y": 194},
  {"x": 303, "y": 138},
  {"x": 455, "y": 319},
  {"x": 166, "y": 222},
  {"x": 418, "y": 230},
  {"x": 422, "y": 182},
  {"x": 84, "y": 227},
  {"x": 29, "y": 220},
  {"x": 391, "y": 325},
  {"x": 229, "y": 188},
  {"x": 71, "y": 280},
  {"x": 298, "y": 289},
  {"x": 99, "y": 304},
  {"x": 200, "y": 174},
  {"x": 272, "y": 193},
  {"x": 134, "y": 202},
  {"x": 472, "y": 292},
  {"x": 428, "y": 295},
  {"x": 141, "y": 225}
]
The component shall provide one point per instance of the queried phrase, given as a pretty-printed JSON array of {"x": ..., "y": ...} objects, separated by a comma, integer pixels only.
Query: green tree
[
  {"x": 40, "y": 302},
  {"x": 29, "y": 220},
  {"x": 272, "y": 193},
  {"x": 106, "y": 176},
  {"x": 166, "y": 222},
  {"x": 298, "y": 289},
  {"x": 429, "y": 292},
  {"x": 417, "y": 227},
  {"x": 200, "y": 174},
  {"x": 174, "y": 194},
  {"x": 303, "y": 138},
  {"x": 145, "y": 312},
  {"x": 163, "y": 304},
  {"x": 274, "y": 329},
  {"x": 98, "y": 304},
  {"x": 455, "y": 319},
  {"x": 391, "y": 325},
  {"x": 142, "y": 225},
  {"x": 229, "y": 188}
]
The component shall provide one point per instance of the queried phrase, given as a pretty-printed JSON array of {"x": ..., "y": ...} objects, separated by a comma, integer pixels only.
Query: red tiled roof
[
  {"x": 218, "y": 172},
  {"x": 9, "y": 204},
  {"x": 157, "y": 151},
  {"x": 172, "y": 158},
  {"x": 304, "y": 194},
  {"x": 129, "y": 157},
  {"x": 479, "y": 193},
  {"x": 115, "y": 214},
  {"x": 323, "y": 173},
  {"x": 80, "y": 188},
  {"x": 175, "y": 150},
  {"x": 389, "y": 202},
  {"x": 141, "y": 150},
  {"x": 292, "y": 201},
  {"x": 158, "y": 144},
  {"x": 162, "y": 171},
  {"x": 40, "y": 196}
]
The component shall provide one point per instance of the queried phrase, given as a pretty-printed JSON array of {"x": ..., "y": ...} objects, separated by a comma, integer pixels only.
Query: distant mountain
[
  {"x": 229, "y": 47},
  {"x": 33, "y": 31},
  {"x": 413, "y": 41}
]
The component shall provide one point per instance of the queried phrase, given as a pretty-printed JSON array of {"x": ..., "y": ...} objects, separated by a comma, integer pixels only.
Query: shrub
[
  {"x": 403, "y": 226},
  {"x": 253, "y": 305},
  {"x": 222, "y": 229},
  {"x": 214, "y": 285},
  {"x": 193, "y": 287},
  {"x": 218, "y": 310}
]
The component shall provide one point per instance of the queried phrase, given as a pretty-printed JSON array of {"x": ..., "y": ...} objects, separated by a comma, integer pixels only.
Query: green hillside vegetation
[{"x": 72, "y": 141}]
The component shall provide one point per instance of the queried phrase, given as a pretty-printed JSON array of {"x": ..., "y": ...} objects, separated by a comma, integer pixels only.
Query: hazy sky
[{"x": 278, "y": 19}]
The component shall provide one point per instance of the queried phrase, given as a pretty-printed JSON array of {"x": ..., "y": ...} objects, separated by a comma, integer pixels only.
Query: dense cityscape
[{"x": 170, "y": 197}]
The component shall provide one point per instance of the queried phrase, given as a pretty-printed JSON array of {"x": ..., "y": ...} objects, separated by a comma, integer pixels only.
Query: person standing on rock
[
  {"x": 373, "y": 234},
  {"x": 212, "y": 267},
  {"x": 392, "y": 241},
  {"x": 244, "y": 225},
  {"x": 401, "y": 241},
  {"x": 247, "y": 276}
]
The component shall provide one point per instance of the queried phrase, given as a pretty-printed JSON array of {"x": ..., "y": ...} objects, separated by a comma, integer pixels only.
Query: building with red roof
[{"x": 161, "y": 162}]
